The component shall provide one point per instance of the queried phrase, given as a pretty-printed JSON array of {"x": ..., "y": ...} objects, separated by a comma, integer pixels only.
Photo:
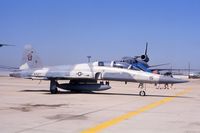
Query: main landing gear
[
  {"x": 143, "y": 89},
  {"x": 106, "y": 83},
  {"x": 166, "y": 86},
  {"x": 53, "y": 87}
]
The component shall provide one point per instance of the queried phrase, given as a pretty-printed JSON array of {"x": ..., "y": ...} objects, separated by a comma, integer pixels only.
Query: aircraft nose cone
[{"x": 171, "y": 80}]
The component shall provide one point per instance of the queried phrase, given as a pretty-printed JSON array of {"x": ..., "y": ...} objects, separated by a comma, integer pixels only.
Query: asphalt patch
[
  {"x": 31, "y": 107},
  {"x": 67, "y": 117}
]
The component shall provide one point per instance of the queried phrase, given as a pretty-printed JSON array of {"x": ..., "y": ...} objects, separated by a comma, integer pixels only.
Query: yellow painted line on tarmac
[{"x": 128, "y": 115}]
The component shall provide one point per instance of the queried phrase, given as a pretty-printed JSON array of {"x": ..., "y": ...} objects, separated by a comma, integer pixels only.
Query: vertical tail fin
[
  {"x": 146, "y": 49},
  {"x": 30, "y": 59},
  {"x": 145, "y": 57}
]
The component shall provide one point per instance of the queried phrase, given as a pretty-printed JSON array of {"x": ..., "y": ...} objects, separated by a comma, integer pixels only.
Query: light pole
[
  {"x": 89, "y": 57},
  {"x": 189, "y": 68}
]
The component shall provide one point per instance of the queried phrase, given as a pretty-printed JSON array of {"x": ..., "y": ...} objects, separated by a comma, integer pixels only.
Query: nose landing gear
[{"x": 143, "y": 89}]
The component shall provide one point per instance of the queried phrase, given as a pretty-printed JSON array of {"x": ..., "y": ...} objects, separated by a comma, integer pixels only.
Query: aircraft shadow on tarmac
[{"x": 46, "y": 92}]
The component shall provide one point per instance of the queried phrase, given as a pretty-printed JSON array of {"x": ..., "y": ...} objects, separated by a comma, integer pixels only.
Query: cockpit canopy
[{"x": 117, "y": 64}]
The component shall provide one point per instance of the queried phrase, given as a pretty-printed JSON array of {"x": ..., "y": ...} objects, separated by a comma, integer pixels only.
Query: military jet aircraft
[
  {"x": 1, "y": 45},
  {"x": 139, "y": 62},
  {"x": 194, "y": 75},
  {"x": 93, "y": 76}
]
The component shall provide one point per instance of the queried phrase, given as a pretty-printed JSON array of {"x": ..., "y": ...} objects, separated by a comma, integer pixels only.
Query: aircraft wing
[
  {"x": 8, "y": 68},
  {"x": 168, "y": 69},
  {"x": 159, "y": 65}
]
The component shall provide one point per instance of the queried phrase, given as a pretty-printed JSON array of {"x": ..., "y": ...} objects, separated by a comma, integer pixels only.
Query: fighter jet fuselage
[{"x": 85, "y": 77}]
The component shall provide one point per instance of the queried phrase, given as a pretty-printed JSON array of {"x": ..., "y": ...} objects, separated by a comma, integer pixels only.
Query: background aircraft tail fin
[
  {"x": 145, "y": 57},
  {"x": 146, "y": 49},
  {"x": 30, "y": 59}
]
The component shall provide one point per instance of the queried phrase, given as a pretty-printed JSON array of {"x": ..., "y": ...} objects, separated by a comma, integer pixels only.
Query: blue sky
[{"x": 66, "y": 31}]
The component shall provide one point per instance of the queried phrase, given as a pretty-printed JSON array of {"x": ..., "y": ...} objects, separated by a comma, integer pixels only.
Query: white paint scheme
[{"x": 85, "y": 76}]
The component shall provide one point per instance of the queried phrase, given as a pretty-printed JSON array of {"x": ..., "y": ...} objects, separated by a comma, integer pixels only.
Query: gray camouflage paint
[{"x": 89, "y": 71}]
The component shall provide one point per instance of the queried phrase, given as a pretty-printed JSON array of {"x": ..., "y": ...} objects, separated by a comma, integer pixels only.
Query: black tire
[
  {"x": 53, "y": 87},
  {"x": 142, "y": 93},
  {"x": 107, "y": 83},
  {"x": 54, "y": 90},
  {"x": 101, "y": 83}
]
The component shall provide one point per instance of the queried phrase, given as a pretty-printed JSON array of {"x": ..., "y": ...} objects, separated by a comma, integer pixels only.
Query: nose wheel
[{"x": 142, "y": 93}]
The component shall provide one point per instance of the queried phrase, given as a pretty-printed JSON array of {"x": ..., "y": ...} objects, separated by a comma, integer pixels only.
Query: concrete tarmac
[{"x": 26, "y": 106}]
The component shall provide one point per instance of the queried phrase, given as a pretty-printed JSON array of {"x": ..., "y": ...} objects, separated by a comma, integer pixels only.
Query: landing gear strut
[
  {"x": 53, "y": 87},
  {"x": 106, "y": 83},
  {"x": 166, "y": 86}
]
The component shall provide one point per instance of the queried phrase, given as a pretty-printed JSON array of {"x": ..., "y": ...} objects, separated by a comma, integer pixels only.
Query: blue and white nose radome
[{"x": 171, "y": 80}]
